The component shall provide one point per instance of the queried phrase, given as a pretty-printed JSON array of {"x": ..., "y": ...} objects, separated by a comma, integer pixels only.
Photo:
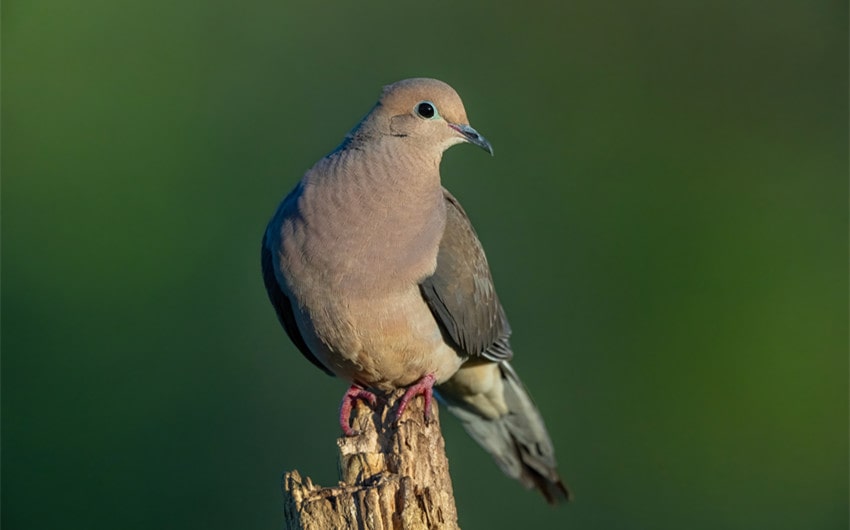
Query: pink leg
[
  {"x": 425, "y": 387},
  {"x": 354, "y": 392}
]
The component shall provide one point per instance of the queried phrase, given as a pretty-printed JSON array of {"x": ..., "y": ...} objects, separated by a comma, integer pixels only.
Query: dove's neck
[{"x": 382, "y": 214}]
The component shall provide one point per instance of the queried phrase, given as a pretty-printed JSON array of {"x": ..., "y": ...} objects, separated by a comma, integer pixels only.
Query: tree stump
[{"x": 392, "y": 476}]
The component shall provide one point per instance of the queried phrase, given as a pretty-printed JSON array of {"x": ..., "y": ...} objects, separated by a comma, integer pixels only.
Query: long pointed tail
[{"x": 497, "y": 411}]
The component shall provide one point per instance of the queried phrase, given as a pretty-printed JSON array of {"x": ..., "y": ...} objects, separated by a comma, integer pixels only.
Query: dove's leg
[
  {"x": 354, "y": 392},
  {"x": 424, "y": 387}
]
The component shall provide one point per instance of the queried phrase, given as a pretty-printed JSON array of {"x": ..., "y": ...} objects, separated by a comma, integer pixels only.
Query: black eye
[{"x": 426, "y": 109}]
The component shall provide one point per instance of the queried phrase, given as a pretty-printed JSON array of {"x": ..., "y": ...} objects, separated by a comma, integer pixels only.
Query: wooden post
[{"x": 391, "y": 476}]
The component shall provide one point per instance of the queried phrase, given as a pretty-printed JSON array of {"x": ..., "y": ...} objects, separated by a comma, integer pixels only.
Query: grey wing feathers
[
  {"x": 460, "y": 293},
  {"x": 283, "y": 307},
  {"x": 462, "y": 298}
]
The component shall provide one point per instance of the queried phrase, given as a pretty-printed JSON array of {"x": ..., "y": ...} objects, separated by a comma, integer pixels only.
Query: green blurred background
[{"x": 666, "y": 217}]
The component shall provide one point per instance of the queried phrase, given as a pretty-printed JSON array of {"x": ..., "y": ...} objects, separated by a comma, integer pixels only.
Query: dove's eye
[{"x": 426, "y": 110}]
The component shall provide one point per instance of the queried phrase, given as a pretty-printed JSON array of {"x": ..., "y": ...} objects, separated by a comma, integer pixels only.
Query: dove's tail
[{"x": 497, "y": 411}]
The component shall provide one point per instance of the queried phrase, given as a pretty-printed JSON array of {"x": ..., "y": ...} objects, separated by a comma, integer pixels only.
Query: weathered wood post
[{"x": 392, "y": 476}]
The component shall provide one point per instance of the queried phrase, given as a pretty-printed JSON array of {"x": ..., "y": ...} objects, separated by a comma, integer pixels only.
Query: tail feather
[{"x": 517, "y": 440}]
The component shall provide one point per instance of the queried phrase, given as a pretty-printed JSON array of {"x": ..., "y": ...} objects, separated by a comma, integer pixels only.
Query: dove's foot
[
  {"x": 424, "y": 387},
  {"x": 353, "y": 393}
]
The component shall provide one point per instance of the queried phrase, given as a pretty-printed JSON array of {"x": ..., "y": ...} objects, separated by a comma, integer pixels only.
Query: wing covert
[{"x": 461, "y": 294}]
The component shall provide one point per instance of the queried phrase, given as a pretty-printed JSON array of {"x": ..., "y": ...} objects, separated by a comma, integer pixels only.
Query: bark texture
[{"x": 392, "y": 476}]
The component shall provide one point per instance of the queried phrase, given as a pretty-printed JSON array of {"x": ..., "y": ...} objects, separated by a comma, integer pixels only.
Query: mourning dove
[{"x": 378, "y": 277}]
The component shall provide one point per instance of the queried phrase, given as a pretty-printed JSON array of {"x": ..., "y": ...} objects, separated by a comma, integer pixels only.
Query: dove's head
[{"x": 426, "y": 112}]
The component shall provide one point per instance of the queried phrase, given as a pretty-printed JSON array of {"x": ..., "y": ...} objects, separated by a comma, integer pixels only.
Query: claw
[
  {"x": 424, "y": 387},
  {"x": 353, "y": 393}
]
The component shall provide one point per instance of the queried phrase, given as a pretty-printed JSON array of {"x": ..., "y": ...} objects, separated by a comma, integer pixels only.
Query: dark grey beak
[{"x": 471, "y": 135}]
